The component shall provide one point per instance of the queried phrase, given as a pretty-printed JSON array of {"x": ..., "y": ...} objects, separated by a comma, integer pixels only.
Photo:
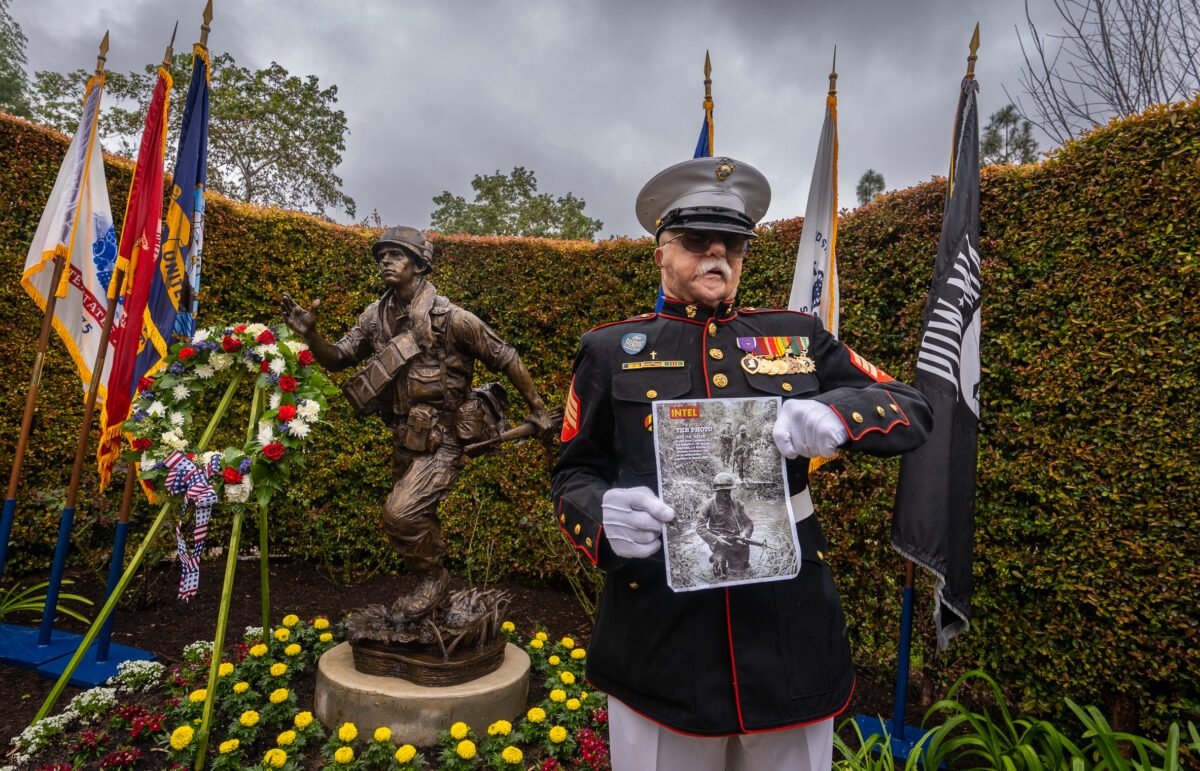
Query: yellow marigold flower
[
  {"x": 290, "y": 620},
  {"x": 541, "y": 636},
  {"x": 279, "y": 695},
  {"x": 198, "y": 695},
  {"x": 558, "y": 734},
  {"x": 554, "y": 661},
  {"x": 275, "y": 758},
  {"x": 567, "y": 678},
  {"x": 536, "y": 644},
  {"x": 303, "y": 719},
  {"x": 536, "y": 715},
  {"x": 458, "y": 731},
  {"x": 258, "y": 651},
  {"x": 343, "y": 755},
  {"x": 500, "y": 728},
  {"x": 578, "y": 653},
  {"x": 181, "y": 737},
  {"x": 558, "y": 696},
  {"x": 508, "y": 626},
  {"x": 347, "y": 732},
  {"x": 326, "y": 637},
  {"x": 291, "y": 650},
  {"x": 241, "y": 687},
  {"x": 229, "y": 746},
  {"x": 512, "y": 755},
  {"x": 568, "y": 643},
  {"x": 278, "y": 669},
  {"x": 383, "y": 734},
  {"x": 583, "y": 695},
  {"x": 465, "y": 749},
  {"x": 573, "y": 704},
  {"x": 285, "y": 738},
  {"x": 406, "y": 753},
  {"x": 225, "y": 670},
  {"x": 282, "y": 634},
  {"x": 249, "y": 718},
  {"x": 321, "y": 623}
]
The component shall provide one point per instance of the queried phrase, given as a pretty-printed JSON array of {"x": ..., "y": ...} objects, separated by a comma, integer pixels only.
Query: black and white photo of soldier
[{"x": 726, "y": 484}]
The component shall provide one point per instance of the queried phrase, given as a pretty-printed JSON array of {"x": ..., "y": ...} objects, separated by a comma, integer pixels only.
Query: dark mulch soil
[{"x": 165, "y": 626}]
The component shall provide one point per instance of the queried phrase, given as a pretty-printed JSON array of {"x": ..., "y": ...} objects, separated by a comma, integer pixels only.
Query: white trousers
[{"x": 639, "y": 744}]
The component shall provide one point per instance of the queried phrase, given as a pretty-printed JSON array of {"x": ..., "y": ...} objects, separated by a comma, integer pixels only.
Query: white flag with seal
[
  {"x": 77, "y": 224},
  {"x": 815, "y": 283}
]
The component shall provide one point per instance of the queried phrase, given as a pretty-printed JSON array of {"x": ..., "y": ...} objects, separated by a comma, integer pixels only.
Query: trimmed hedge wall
[{"x": 1087, "y": 556}]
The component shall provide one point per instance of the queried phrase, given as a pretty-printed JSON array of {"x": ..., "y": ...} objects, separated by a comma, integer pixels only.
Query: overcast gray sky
[{"x": 595, "y": 96}]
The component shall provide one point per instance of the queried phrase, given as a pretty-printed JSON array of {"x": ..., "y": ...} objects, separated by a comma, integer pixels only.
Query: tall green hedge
[{"x": 1087, "y": 556}]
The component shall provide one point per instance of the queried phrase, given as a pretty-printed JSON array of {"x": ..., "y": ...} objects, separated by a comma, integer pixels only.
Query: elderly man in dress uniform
[{"x": 742, "y": 677}]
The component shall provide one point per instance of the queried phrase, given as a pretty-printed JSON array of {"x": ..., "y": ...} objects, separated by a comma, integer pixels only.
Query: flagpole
[
  {"x": 67, "y": 519},
  {"x": 60, "y": 264},
  {"x": 904, "y": 739},
  {"x": 708, "y": 101}
]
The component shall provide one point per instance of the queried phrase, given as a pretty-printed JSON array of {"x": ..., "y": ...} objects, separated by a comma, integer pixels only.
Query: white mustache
[{"x": 714, "y": 263}]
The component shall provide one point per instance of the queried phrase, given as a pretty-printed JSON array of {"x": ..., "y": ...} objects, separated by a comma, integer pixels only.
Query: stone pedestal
[{"x": 416, "y": 713}]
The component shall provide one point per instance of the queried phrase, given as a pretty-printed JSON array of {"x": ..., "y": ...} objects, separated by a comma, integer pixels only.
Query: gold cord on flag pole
[
  {"x": 974, "y": 47},
  {"x": 204, "y": 28},
  {"x": 708, "y": 101}
]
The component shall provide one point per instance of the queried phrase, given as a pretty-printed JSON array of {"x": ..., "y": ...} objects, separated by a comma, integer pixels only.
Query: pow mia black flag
[{"x": 935, "y": 501}]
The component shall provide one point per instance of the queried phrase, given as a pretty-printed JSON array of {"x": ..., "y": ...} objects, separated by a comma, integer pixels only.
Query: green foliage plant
[{"x": 32, "y": 599}]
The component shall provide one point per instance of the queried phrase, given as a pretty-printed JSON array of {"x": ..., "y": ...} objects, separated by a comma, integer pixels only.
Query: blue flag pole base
[
  {"x": 903, "y": 740},
  {"x": 19, "y": 646},
  {"x": 90, "y": 672}
]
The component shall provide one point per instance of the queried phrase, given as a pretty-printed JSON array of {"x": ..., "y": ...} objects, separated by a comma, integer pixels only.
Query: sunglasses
[{"x": 697, "y": 242}]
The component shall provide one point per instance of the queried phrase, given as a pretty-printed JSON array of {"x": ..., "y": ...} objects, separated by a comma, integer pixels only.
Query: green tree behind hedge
[
  {"x": 510, "y": 205},
  {"x": 14, "y": 85},
  {"x": 1007, "y": 139},
  {"x": 273, "y": 138}
]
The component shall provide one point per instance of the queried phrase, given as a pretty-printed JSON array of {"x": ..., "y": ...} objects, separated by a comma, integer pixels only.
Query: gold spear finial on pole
[
  {"x": 205, "y": 27},
  {"x": 707, "y": 78},
  {"x": 974, "y": 47},
  {"x": 103, "y": 54},
  {"x": 171, "y": 46},
  {"x": 833, "y": 75}
]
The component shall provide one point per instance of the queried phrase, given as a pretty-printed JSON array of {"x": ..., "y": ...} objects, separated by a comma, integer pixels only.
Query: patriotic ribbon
[{"x": 191, "y": 480}]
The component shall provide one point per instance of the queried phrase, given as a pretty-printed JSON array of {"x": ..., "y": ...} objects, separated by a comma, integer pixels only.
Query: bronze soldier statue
[{"x": 422, "y": 350}]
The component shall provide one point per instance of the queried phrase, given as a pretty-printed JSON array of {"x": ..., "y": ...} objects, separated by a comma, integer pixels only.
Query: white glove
[
  {"x": 809, "y": 428},
  {"x": 633, "y": 520}
]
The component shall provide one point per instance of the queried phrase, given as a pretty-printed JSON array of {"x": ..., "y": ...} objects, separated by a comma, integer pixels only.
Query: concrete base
[{"x": 416, "y": 713}]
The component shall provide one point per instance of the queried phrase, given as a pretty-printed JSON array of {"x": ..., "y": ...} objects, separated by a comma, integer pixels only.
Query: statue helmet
[
  {"x": 412, "y": 241},
  {"x": 724, "y": 481}
]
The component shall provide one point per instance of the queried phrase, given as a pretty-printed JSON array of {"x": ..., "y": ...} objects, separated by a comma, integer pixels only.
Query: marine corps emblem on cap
[{"x": 705, "y": 194}]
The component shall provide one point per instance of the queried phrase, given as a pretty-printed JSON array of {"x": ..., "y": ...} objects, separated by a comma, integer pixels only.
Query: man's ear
[{"x": 658, "y": 256}]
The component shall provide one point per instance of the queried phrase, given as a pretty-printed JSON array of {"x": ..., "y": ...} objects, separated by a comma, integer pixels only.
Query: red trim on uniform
[
  {"x": 900, "y": 421},
  {"x": 643, "y": 317},
  {"x": 840, "y": 710},
  {"x": 572, "y": 538},
  {"x": 681, "y": 318},
  {"x": 737, "y": 698},
  {"x": 570, "y": 426}
]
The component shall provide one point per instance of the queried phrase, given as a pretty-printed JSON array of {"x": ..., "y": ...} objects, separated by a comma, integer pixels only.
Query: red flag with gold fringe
[{"x": 137, "y": 261}]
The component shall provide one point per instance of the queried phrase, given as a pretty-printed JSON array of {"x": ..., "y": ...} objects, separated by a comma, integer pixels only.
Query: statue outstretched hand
[{"x": 302, "y": 322}]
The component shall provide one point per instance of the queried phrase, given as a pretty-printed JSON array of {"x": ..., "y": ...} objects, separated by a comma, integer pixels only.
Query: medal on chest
[{"x": 776, "y": 355}]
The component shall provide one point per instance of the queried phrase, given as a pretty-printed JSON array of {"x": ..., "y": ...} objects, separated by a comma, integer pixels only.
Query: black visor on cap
[{"x": 709, "y": 218}]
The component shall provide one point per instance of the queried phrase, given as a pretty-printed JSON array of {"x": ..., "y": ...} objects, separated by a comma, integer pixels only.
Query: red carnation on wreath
[
  {"x": 231, "y": 344},
  {"x": 287, "y": 412},
  {"x": 287, "y": 383},
  {"x": 187, "y": 352},
  {"x": 240, "y": 328},
  {"x": 305, "y": 357},
  {"x": 142, "y": 443},
  {"x": 273, "y": 451},
  {"x": 266, "y": 338},
  {"x": 145, "y": 383},
  {"x": 266, "y": 365},
  {"x": 231, "y": 475}
]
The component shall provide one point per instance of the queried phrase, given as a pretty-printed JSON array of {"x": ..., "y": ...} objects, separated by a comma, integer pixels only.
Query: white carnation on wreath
[
  {"x": 273, "y": 400},
  {"x": 205, "y": 371},
  {"x": 177, "y": 419},
  {"x": 157, "y": 409},
  {"x": 267, "y": 350},
  {"x": 308, "y": 410},
  {"x": 277, "y": 366},
  {"x": 296, "y": 346},
  {"x": 201, "y": 335},
  {"x": 220, "y": 361},
  {"x": 266, "y": 434},
  {"x": 298, "y": 429},
  {"x": 254, "y": 330}
]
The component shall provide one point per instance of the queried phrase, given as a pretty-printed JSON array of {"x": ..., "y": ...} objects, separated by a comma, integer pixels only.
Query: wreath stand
[{"x": 238, "y": 509}]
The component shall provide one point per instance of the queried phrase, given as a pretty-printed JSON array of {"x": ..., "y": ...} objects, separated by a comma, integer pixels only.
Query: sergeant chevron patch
[
  {"x": 570, "y": 415},
  {"x": 873, "y": 372}
]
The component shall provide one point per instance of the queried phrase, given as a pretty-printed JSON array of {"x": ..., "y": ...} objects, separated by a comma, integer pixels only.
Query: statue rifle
[{"x": 522, "y": 431}]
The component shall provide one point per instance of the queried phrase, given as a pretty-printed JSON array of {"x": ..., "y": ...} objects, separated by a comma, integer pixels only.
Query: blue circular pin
[{"x": 633, "y": 342}]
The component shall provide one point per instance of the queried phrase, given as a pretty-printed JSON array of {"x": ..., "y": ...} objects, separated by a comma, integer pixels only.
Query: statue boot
[{"x": 431, "y": 592}]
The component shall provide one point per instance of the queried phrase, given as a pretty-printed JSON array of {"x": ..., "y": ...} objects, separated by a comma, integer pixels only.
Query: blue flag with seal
[{"x": 171, "y": 307}]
